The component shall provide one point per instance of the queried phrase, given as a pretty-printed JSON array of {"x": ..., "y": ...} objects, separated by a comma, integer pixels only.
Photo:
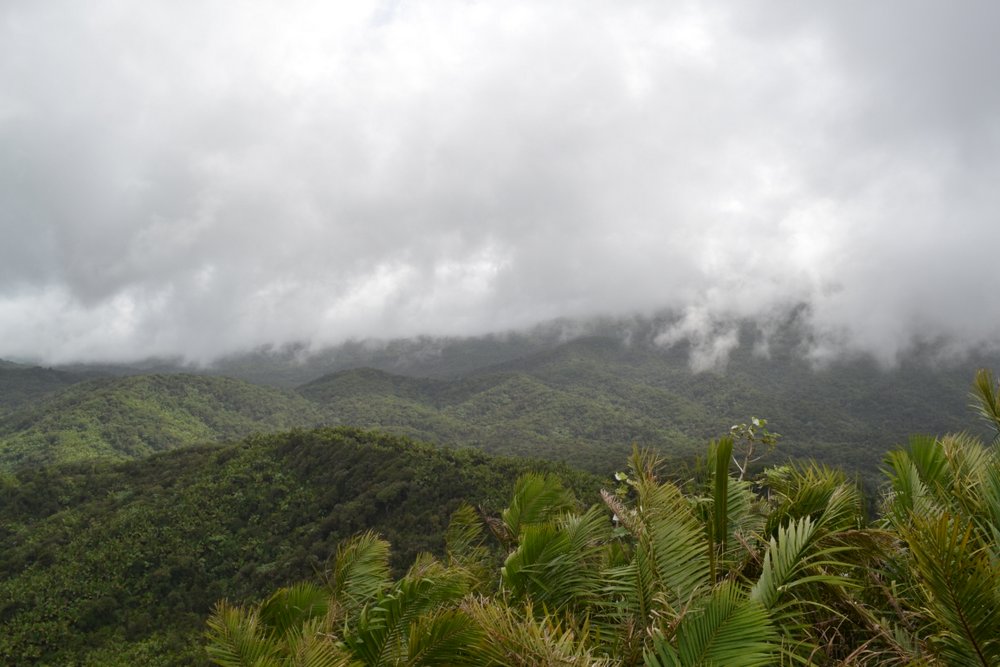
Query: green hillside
[
  {"x": 120, "y": 563},
  {"x": 122, "y": 418},
  {"x": 588, "y": 400},
  {"x": 22, "y": 384},
  {"x": 585, "y": 401},
  {"x": 423, "y": 356},
  {"x": 788, "y": 570}
]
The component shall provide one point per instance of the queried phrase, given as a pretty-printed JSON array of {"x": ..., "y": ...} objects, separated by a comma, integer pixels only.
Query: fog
[{"x": 201, "y": 178}]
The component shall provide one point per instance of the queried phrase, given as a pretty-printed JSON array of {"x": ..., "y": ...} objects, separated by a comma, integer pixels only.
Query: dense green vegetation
[
  {"x": 121, "y": 418},
  {"x": 294, "y": 365},
  {"x": 589, "y": 400},
  {"x": 585, "y": 401},
  {"x": 718, "y": 572},
  {"x": 22, "y": 384},
  {"x": 120, "y": 563}
]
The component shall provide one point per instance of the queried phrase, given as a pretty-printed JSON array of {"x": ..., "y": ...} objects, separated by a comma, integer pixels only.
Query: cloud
[{"x": 200, "y": 178}]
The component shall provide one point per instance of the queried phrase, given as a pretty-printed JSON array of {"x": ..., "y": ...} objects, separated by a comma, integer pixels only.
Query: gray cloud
[{"x": 196, "y": 178}]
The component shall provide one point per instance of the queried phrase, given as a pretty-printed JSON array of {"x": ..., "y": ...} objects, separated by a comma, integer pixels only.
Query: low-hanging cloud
[{"x": 198, "y": 178}]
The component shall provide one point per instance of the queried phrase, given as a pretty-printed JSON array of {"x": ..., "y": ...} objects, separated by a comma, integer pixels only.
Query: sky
[{"x": 198, "y": 178}]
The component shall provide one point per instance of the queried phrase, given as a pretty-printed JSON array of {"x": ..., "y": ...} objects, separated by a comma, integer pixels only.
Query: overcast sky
[{"x": 201, "y": 177}]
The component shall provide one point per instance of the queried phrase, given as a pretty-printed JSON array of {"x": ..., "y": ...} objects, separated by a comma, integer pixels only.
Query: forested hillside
[
  {"x": 717, "y": 571},
  {"x": 588, "y": 400},
  {"x": 585, "y": 401},
  {"x": 424, "y": 356},
  {"x": 122, "y": 418},
  {"x": 119, "y": 563},
  {"x": 22, "y": 384}
]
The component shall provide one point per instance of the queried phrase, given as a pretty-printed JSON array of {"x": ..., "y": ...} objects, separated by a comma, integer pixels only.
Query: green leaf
[
  {"x": 962, "y": 588},
  {"x": 236, "y": 638},
  {"x": 360, "y": 571},
  {"x": 536, "y": 499},
  {"x": 726, "y": 629}
]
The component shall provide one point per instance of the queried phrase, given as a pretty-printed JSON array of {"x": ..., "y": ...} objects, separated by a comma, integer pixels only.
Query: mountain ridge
[
  {"x": 133, "y": 416},
  {"x": 118, "y": 563}
]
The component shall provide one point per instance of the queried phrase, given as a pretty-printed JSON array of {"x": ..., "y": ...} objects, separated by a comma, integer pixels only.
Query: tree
[
  {"x": 681, "y": 579},
  {"x": 720, "y": 574},
  {"x": 751, "y": 442}
]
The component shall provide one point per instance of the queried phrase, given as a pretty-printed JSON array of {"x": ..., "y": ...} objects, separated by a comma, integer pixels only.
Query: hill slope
[
  {"x": 20, "y": 385},
  {"x": 120, "y": 563},
  {"x": 121, "y": 418},
  {"x": 588, "y": 400}
]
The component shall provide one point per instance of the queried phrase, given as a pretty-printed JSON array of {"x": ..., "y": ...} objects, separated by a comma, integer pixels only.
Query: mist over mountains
[
  {"x": 276, "y": 273},
  {"x": 575, "y": 391},
  {"x": 705, "y": 341},
  {"x": 454, "y": 169}
]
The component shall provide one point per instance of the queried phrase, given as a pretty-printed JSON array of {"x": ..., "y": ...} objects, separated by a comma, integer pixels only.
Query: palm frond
[
  {"x": 237, "y": 638},
  {"x": 556, "y": 564},
  {"x": 928, "y": 456},
  {"x": 674, "y": 543},
  {"x": 801, "y": 490},
  {"x": 465, "y": 546},
  {"x": 289, "y": 608},
  {"x": 719, "y": 525},
  {"x": 962, "y": 588},
  {"x": 795, "y": 557},
  {"x": 383, "y": 628},
  {"x": 311, "y": 646},
  {"x": 464, "y": 537},
  {"x": 536, "y": 499},
  {"x": 726, "y": 629},
  {"x": 989, "y": 520},
  {"x": 522, "y": 637},
  {"x": 985, "y": 397},
  {"x": 449, "y": 637},
  {"x": 360, "y": 571},
  {"x": 909, "y": 494}
]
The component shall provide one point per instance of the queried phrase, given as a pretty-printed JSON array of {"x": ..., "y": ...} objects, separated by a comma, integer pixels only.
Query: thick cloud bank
[{"x": 197, "y": 178}]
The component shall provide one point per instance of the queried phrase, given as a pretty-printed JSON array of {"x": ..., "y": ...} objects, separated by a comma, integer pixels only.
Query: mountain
[
  {"x": 586, "y": 401},
  {"x": 119, "y": 563},
  {"x": 20, "y": 384},
  {"x": 579, "y": 392},
  {"x": 128, "y": 417},
  {"x": 423, "y": 356}
]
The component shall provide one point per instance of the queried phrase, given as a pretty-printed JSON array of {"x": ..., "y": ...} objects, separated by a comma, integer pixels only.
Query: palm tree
[
  {"x": 780, "y": 570},
  {"x": 945, "y": 508}
]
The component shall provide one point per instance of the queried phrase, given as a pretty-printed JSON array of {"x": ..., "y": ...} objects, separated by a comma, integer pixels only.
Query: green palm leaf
[
  {"x": 674, "y": 543},
  {"x": 726, "y": 629},
  {"x": 536, "y": 499},
  {"x": 237, "y": 638},
  {"x": 719, "y": 524},
  {"x": 794, "y": 558},
  {"x": 962, "y": 589},
  {"x": 289, "y": 608},
  {"x": 522, "y": 637},
  {"x": 557, "y": 564},
  {"x": 311, "y": 646},
  {"x": 909, "y": 492},
  {"x": 384, "y": 628},
  {"x": 449, "y": 637},
  {"x": 812, "y": 490},
  {"x": 360, "y": 571},
  {"x": 465, "y": 537},
  {"x": 986, "y": 399}
]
